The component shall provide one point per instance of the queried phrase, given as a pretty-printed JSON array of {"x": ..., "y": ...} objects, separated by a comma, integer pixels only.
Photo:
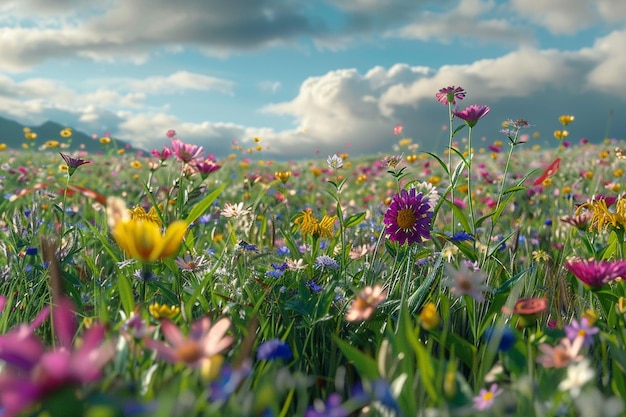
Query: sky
[{"x": 311, "y": 77}]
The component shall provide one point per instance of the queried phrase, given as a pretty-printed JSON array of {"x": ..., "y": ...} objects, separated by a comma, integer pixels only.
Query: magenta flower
[
  {"x": 185, "y": 152},
  {"x": 203, "y": 341},
  {"x": 32, "y": 373},
  {"x": 449, "y": 95},
  {"x": 408, "y": 217},
  {"x": 472, "y": 114},
  {"x": 206, "y": 166},
  {"x": 165, "y": 154},
  {"x": 170, "y": 133},
  {"x": 581, "y": 329},
  {"x": 596, "y": 274}
]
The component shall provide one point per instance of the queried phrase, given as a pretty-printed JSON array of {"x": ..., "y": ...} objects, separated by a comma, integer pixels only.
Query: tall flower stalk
[{"x": 72, "y": 166}]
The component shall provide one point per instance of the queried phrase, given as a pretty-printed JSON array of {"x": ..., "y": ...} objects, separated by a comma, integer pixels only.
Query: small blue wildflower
[
  {"x": 32, "y": 251},
  {"x": 273, "y": 273},
  {"x": 27, "y": 213},
  {"x": 274, "y": 349},
  {"x": 314, "y": 286},
  {"x": 323, "y": 244},
  {"x": 283, "y": 251},
  {"x": 461, "y": 237},
  {"x": 325, "y": 261},
  {"x": 280, "y": 267},
  {"x": 229, "y": 381},
  {"x": 548, "y": 222},
  {"x": 505, "y": 334},
  {"x": 210, "y": 251},
  {"x": 248, "y": 246},
  {"x": 204, "y": 219}
]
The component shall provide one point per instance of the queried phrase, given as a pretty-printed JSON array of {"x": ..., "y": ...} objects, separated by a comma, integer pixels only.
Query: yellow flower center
[
  {"x": 582, "y": 332},
  {"x": 406, "y": 218},
  {"x": 488, "y": 396},
  {"x": 189, "y": 352}
]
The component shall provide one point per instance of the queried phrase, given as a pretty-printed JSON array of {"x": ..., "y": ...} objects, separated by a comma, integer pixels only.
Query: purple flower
[
  {"x": 472, "y": 114},
  {"x": 596, "y": 274},
  {"x": 72, "y": 163},
  {"x": 408, "y": 217},
  {"x": 484, "y": 399},
  {"x": 449, "y": 95},
  {"x": 274, "y": 349},
  {"x": 581, "y": 329},
  {"x": 326, "y": 262},
  {"x": 32, "y": 373}
]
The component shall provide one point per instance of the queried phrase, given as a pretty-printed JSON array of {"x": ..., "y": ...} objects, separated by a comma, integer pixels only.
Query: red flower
[{"x": 550, "y": 171}]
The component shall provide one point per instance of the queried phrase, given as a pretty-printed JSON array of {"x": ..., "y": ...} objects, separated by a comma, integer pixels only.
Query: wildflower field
[{"x": 483, "y": 280}]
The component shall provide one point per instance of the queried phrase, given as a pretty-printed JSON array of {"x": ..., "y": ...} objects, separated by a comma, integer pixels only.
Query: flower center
[
  {"x": 189, "y": 352},
  {"x": 488, "y": 396},
  {"x": 582, "y": 332},
  {"x": 406, "y": 218}
]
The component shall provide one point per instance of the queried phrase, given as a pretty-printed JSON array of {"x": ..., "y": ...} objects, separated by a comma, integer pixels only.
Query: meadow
[{"x": 483, "y": 280}]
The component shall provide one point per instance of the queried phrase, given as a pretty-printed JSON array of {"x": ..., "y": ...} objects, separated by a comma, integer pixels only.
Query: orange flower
[{"x": 550, "y": 171}]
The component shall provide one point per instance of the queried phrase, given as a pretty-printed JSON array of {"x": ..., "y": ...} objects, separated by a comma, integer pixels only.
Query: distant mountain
[{"x": 12, "y": 134}]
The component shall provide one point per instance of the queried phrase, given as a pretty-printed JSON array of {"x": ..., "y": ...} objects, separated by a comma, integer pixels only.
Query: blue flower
[
  {"x": 314, "y": 286},
  {"x": 283, "y": 251},
  {"x": 274, "y": 349},
  {"x": 332, "y": 408},
  {"x": 505, "y": 335},
  {"x": 32, "y": 251},
  {"x": 273, "y": 273},
  {"x": 461, "y": 237},
  {"x": 325, "y": 261}
]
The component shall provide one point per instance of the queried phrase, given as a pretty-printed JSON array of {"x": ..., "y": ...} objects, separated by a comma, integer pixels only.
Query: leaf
[
  {"x": 126, "y": 293},
  {"x": 364, "y": 364},
  {"x": 460, "y": 215},
  {"x": 354, "y": 220},
  {"x": 443, "y": 164},
  {"x": 203, "y": 205}
]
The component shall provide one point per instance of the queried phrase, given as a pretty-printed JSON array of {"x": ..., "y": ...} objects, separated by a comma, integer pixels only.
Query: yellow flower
[
  {"x": 160, "y": 311},
  {"x": 139, "y": 213},
  {"x": 26, "y": 130},
  {"x": 309, "y": 225},
  {"x": 105, "y": 140},
  {"x": 210, "y": 368},
  {"x": 66, "y": 133},
  {"x": 3, "y": 146},
  {"x": 590, "y": 315},
  {"x": 257, "y": 140},
  {"x": 136, "y": 164},
  {"x": 561, "y": 134},
  {"x": 144, "y": 241},
  {"x": 120, "y": 151},
  {"x": 429, "y": 318},
  {"x": 603, "y": 154},
  {"x": 618, "y": 172},
  {"x": 30, "y": 135},
  {"x": 540, "y": 255},
  {"x": 63, "y": 168},
  {"x": 405, "y": 142},
  {"x": 601, "y": 217},
  {"x": 621, "y": 305},
  {"x": 283, "y": 176},
  {"x": 566, "y": 119},
  {"x": 411, "y": 158},
  {"x": 52, "y": 144}
]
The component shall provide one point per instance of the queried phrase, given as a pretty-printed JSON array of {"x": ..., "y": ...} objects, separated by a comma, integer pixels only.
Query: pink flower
[
  {"x": 185, "y": 152},
  {"x": 472, "y": 114},
  {"x": 170, "y": 133},
  {"x": 165, "y": 154},
  {"x": 449, "y": 95},
  {"x": 596, "y": 274},
  {"x": 203, "y": 341},
  {"x": 398, "y": 129},
  {"x": 32, "y": 372},
  {"x": 484, "y": 399},
  {"x": 561, "y": 355}
]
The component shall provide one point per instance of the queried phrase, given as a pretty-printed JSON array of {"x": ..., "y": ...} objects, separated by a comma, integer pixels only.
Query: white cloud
[{"x": 570, "y": 16}]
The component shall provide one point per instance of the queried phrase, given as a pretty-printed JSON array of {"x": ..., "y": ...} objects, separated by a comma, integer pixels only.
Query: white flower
[
  {"x": 578, "y": 375},
  {"x": 464, "y": 281},
  {"x": 334, "y": 162},
  {"x": 429, "y": 191},
  {"x": 234, "y": 210}
]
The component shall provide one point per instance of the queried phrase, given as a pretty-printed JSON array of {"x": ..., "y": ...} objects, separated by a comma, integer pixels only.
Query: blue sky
[{"x": 310, "y": 76}]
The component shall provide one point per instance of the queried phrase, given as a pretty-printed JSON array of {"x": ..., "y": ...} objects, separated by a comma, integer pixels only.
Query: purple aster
[
  {"x": 581, "y": 329},
  {"x": 484, "y": 399},
  {"x": 408, "y": 217},
  {"x": 472, "y": 114},
  {"x": 449, "y": 95},
  {"x": 596, "y": 274},
  {"x": 274, "y": 349}
]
